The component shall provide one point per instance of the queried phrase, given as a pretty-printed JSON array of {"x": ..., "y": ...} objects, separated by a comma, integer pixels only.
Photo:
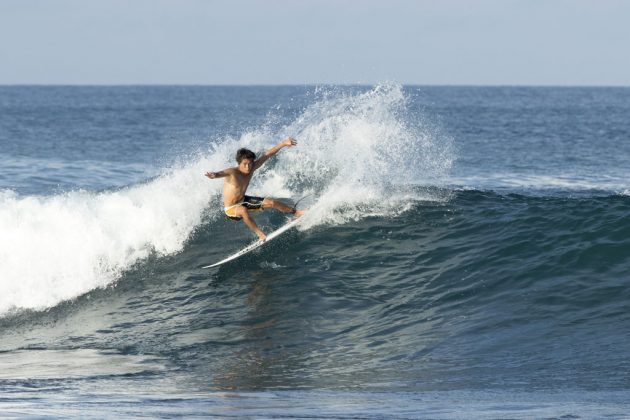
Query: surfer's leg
[
  {"x": 280, "y": 206},
  {"x": 241, "y": 211}
]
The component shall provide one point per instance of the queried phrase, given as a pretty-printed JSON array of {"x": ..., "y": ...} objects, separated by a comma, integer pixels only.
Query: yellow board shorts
[{"x": 251, "y": 203}]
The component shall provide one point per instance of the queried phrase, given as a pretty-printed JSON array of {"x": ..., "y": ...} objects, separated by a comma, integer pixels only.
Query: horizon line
[{"x": 309, "y": 84}]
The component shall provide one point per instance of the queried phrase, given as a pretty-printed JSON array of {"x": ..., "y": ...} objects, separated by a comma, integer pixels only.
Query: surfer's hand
[
  {"x": 211, "y": 175},
  {"x": 289, "y": 142}
]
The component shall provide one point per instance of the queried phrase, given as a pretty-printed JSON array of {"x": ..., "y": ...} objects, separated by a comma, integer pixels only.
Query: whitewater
[{"x": 352, "y": 149}]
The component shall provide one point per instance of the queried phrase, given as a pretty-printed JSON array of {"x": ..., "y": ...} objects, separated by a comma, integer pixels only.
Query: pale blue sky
[{"x": 480, "y": 42}]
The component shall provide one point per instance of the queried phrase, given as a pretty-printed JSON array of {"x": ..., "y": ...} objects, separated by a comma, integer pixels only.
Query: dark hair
[{"x": 245, "y": 154}]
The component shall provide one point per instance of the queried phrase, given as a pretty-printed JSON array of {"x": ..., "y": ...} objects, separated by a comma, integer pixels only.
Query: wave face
[
  {"x": 426, "y": 299},
  {"x": 412, "y": 271}
]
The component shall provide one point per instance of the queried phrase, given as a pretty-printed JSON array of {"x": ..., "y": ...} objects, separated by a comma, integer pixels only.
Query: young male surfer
[{"x": 237, "y": 204}]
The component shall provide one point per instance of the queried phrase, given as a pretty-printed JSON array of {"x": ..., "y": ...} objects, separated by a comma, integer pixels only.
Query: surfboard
[{"x": 249, "y": 248}]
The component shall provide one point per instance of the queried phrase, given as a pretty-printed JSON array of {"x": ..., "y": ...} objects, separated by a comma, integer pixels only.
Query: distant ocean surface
[{"x": 466, "y": 253}]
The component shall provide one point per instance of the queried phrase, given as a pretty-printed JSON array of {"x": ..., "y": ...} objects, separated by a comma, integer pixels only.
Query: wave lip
[
  {"x": 57, "y": 248},
  {"x": 550, "y": 183}
]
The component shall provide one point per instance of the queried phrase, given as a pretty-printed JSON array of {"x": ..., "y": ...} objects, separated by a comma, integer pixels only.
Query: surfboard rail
[{"x": 254, "y": 245}]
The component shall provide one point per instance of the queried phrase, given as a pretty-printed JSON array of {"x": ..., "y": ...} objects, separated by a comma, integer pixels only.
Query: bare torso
[{"x": 234, "y": 187}]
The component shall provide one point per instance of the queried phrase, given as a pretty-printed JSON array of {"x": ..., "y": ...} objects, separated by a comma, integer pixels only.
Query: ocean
[{"x": 465, "y": 253}]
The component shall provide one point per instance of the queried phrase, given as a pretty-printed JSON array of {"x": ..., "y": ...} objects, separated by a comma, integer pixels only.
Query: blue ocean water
[{"x": 465, "y": 254}]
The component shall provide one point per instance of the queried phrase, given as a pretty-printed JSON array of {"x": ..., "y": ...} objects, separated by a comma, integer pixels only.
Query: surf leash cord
[{"x": 294, "y": 208}]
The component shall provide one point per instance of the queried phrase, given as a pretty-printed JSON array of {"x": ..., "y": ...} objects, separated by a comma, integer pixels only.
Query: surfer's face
[{"x": 246, "y": 166}]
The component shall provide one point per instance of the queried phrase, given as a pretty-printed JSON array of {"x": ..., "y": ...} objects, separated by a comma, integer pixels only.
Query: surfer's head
[
  {"x": 245, "y": 154},
  {"x": 245, "y": 159}
]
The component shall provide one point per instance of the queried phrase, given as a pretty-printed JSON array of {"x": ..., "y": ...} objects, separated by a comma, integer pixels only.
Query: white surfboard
[{"x": 258, "y": 243}]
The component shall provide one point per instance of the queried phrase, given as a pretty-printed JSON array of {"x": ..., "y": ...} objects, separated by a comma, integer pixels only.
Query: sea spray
[{"x": 355, "y": 152}]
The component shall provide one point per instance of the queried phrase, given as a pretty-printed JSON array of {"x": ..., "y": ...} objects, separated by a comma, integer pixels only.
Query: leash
[{"x": 298, "y": 202}]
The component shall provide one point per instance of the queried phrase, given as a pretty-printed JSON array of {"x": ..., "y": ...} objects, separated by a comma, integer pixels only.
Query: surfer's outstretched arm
[
  {"x": 288, "y": 142},
  {"x": 220, "y": 174}
]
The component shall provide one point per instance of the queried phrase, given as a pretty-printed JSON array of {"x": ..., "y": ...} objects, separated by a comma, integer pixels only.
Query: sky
[{"x": 251, "y": 42}]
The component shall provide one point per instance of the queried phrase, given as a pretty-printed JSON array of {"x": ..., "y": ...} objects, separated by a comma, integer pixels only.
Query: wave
[
  {"x": 56, "y": 248},
  {"x": 353, "y": 147},
  {"x": 546, "y": 184},
  {"x": 426, "y": 298}
]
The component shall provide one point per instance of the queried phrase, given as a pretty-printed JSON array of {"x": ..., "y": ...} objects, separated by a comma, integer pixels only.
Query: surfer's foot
[
  {"x": 261, "y": 236},
  {"x": 299, "y": 213}
]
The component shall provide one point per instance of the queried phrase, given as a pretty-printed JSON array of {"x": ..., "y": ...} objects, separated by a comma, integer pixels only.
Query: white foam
[
  {"x": 352, "y": 149},
  {"x": 549, "y": 181},
  {"x": 57, "y": 248}
]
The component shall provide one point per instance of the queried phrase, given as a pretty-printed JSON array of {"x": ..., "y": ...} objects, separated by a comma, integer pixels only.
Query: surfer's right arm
[{"x": 220, "y": 174}]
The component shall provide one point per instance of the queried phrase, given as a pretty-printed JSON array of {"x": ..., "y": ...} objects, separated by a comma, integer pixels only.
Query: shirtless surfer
[{"x": 237, "y": 204}]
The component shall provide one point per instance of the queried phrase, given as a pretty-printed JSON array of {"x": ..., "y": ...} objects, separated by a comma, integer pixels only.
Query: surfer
[{"x": 237, "y": 205}]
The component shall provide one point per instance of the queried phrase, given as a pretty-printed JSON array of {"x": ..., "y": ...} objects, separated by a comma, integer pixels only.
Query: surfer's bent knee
[{"x": 241, "y": 211}]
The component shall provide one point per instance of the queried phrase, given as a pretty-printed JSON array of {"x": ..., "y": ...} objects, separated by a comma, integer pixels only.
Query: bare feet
[
  {"x": 261, "y": 235},
  {"x": 299, "y": 213}
]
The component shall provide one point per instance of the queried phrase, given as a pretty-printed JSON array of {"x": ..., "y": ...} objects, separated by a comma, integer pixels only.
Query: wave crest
[{"x": 352, "y": 149}]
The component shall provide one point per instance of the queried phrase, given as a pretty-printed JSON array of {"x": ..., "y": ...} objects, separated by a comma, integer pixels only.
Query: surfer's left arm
[{"x": 288, "y": 142}]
